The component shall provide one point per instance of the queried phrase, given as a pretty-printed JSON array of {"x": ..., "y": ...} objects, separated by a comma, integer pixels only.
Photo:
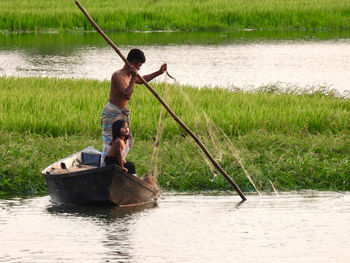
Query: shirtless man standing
[{"x": 122, "y": 87}]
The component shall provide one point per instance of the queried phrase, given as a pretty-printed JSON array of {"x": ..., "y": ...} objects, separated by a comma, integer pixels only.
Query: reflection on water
[
  {"x": 67, "y": 43},
  {"x": 202, "y": 59},
  {"x": 100, "y": 211},
  {"x": 292, "y": 227}
]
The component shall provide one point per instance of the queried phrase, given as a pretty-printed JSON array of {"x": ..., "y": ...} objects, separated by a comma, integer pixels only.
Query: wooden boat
[{"x": 79, "y": 179}]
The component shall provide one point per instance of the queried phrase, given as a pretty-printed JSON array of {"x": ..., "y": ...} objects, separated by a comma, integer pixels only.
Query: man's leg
[{"x": 106, "y": 123}]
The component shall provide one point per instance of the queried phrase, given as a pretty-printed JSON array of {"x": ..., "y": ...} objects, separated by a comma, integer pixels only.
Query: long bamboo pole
[{"x": 195, "y": 138}]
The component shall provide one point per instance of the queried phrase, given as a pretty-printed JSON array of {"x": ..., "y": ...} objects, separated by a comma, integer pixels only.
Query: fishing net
[{"x": 221, "y": 144}]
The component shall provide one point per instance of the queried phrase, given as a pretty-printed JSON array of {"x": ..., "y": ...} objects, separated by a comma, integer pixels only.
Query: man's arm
[
  {"x": 153, "y": 75},
  {"x": 130, "y": 89}
]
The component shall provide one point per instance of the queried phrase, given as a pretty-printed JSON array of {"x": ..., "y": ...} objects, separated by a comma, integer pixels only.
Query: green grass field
[
  {"x": 182, "y": 15},
  {"x": 58, "y": 107},
  {"x": 293, "y": 139}
]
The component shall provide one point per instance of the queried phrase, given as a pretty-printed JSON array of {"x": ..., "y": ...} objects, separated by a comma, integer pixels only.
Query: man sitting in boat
[
  {"x": 122, "y": 87},
  {"x": 116, "y": 153}
]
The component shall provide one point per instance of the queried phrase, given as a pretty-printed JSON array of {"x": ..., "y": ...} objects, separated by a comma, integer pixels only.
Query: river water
[
  {"x": 292, "y": 227},
  {"x": 220, "y": 61}
]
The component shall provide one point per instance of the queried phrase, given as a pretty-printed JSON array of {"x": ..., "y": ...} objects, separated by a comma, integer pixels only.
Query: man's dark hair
[{"x": 136, "y": 55}]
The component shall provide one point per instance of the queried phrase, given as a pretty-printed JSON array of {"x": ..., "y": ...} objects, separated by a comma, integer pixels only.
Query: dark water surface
[
  {"x": 291, "y": 227},
  {"x": 240, "y": 59}
]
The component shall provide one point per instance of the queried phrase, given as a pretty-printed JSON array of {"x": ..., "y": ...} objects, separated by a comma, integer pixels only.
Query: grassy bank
[
  {"x": 57, "y": 107},
  {"x": 293, "y": 141},
  {"x": 183, "y": 15}
]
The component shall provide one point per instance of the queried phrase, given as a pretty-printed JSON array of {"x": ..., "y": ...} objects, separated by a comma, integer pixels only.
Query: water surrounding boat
[
  {"x": 292, "y": 227},
  {"x": 215, "y": 60}
]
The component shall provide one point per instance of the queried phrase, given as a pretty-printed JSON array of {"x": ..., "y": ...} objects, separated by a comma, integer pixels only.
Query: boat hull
[
  {"x": 84, "y": 187},
  {"x": 128, "y": 189},
  {"x": 71, "y": 181}
]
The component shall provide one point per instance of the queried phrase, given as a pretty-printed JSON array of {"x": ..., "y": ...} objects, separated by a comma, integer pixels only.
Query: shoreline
[{"x": 136, "y": 31}]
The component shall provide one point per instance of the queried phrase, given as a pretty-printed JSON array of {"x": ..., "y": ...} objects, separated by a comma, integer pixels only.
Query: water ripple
[{"x": 292, "y": 227}]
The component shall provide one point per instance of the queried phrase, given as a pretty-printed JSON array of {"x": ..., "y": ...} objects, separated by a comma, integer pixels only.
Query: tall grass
[
  {"x": 123, "y": 15},
  {"x": 293, "y": 139},
  {"x": 72, "y": 107},
  {"x": 320, "y": 162}
]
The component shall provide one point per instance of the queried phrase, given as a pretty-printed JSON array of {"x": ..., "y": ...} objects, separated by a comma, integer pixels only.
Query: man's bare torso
[{"x": 119, "y": 83}]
